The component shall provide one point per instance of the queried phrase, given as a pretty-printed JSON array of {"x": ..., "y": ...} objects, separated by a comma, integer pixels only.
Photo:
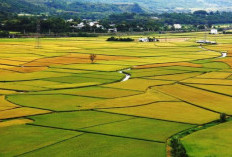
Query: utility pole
[
  {"x": 205, "y": 35},
  {"x": 38, "y": 46}
]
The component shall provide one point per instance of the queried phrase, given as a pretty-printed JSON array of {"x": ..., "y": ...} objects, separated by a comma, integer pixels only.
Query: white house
[
  {"x": 112, "y": 25},
  {"x": 93, "y": 23},
  {"x": 70, "y": 20},
  {"x": 206, "y": 42},
  {"x": 148, "y": 39},
  {"x": 177, "y": 26},
  {"x": 154, "y": 18},
  {"x": 214, "y": 31},
  {"x": 112, "y": 30},
  {"x": 99, "y": 26},
  {"x": 79, "y": 26},
  {"x": 143, "y": 40}
]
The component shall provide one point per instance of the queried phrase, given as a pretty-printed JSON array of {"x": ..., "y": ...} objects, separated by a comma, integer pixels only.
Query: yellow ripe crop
[
  {"x": 21, "y": 112},
  {"x": 198, "y": 97}
]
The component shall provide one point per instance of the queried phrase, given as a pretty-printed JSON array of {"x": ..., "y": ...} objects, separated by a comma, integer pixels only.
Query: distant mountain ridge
[
  {"x": 52, "y": 6},
  {"x": 112, "y": 6},
  {"x": 174, "y": 5}
]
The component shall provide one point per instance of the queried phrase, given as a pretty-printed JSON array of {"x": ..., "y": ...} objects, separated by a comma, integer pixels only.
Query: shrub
[
  {"x": 178, "y": 149},
  {"x": 92, "y": 57},
  {"x": 222, "y": 117},
  {"x": 4, "y": 34},
  {"x": 119, "y": 39},
  {"x": 81, "y": 34}
]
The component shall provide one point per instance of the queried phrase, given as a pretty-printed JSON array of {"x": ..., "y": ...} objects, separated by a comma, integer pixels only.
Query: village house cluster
[{"x": 94, "y": 25}]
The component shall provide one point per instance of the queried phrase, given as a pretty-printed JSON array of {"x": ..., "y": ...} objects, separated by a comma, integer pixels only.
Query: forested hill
[
  {"x": 18, "y": 6},
  {"x": 59, "y": 6},
  {"x": 174, "y": 5},
  {"x": 103, "y": 8}
]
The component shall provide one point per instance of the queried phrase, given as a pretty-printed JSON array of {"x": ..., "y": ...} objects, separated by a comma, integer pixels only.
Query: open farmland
[{"x": 129, "y": 102}]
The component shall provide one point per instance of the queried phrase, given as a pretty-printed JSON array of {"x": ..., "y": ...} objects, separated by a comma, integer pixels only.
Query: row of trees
[
  {"x": 197, "y": 18},
  {"x": 29, "y": 24},
  {"x": 119, "y": 39}
]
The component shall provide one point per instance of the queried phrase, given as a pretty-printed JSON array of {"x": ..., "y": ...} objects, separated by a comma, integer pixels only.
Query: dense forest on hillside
[
  {"x": 102, "y": 8},
  {"x": 59, "y": 7}
]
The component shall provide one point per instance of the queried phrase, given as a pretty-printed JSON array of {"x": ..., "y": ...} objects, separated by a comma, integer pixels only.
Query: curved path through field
[
  {"x": 223, "y": 54},
  {"x": 127, "y": 75}
]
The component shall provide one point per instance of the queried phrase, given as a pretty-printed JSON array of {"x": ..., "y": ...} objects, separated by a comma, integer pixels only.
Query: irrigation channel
[
  {"x": 223, "y": 54},
  {"x": 127, "y": 75}
]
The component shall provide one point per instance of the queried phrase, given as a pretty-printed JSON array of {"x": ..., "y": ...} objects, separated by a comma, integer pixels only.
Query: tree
[
  {"x": 201, "y": 27},
  {"x": 200, "y": 12},
  {"x": 178, "y": 149},
  {"x": 222, "y": 117},
  {"x": 4, "y": 34},
  {"x": 92, "y": 57}
]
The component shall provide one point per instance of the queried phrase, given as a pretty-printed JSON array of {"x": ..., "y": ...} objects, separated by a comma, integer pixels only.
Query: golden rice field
[{"x": 129, "y": 102}]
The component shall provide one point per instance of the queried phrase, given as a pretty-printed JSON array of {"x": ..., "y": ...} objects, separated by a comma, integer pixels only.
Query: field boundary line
[
  {"x": 190, "y": 102},
  {"x": 146, "y": 117},
  {"x": 211, "y": 91},
  {"x": 134, "y": 105},
  {"x": 49, "y": 145},
  {"x": 97, "y": 133}
]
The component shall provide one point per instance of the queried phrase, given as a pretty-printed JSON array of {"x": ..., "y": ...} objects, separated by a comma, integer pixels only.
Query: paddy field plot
[
  {"x": 26, "y": 138},
  {"x": 172, "y": 111},
  {"x": 141, "y": 84},
  {"x": 167, "y": 64},
  {"x": 198, "y": 97},
  {"x": 221, "y": 89},
  {"x": 20, "y": 112},
  {"x": 175, "y": 77},
  {"x": 56, "y": 102},
  {"x": 29, "y": 76},
  {"x": 6, "y": 105},
  {"x": 93, "y": 67},
  {"x": 212, "y": 81},
  {"x": 213, "y": 141},
  {"x": 191, "y": 69},
  {"x": 153, "y": 72},
  {"x": 14, "y": 122},
  {"x": 77, "y": 79},
  {"x": 135, "y": 100},
  {"x": 77, "y": 120},
  {"x": 147, "y": 129},
  {"x": 215, "y": 75},
  {"x": 95, "y": 91},
  {"x": 94, "y": 145}
]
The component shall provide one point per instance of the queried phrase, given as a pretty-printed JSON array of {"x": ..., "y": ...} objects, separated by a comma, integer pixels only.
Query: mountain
[
  {"x": 173, "y": 5},
  {"x": 18, "y": 6},
  {"x": 74, "y": 6},
  {"x": 106, "y": 7}
]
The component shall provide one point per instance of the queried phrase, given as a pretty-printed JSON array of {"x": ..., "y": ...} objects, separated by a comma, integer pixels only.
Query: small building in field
[
  {"x": 112, "y": 30},
  {"x": 206, "y": 42},
  {"x": 214, "y": 31},
  {"x": 148, "y": 39},
  {"x": 143, "y": 40},
  {"x": 177, "y": 26}
]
